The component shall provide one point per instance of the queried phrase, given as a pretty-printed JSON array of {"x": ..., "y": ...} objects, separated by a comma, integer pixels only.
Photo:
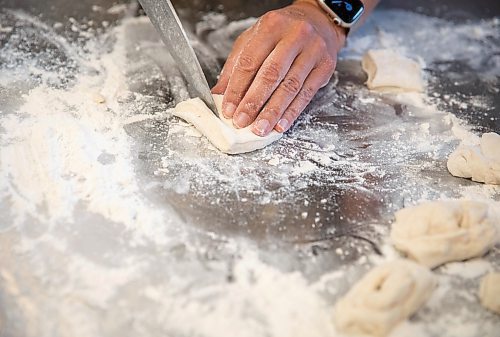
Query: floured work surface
[{"x": 120, "y": 220}]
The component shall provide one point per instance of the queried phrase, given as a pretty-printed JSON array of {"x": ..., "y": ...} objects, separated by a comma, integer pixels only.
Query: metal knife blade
[{"x": 164, "y": 18}]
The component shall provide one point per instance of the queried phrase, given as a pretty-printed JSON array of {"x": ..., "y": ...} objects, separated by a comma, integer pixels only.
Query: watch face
[{"x": 348, "y": 11}]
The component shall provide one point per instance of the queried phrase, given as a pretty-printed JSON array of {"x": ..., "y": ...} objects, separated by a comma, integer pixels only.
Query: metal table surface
[{"x": 156, "y": 233}]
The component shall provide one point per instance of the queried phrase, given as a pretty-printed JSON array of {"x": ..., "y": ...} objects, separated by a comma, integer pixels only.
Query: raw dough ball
[
  {"x": 489, "y": 292},
  {"x": 390, "y": 71},
  {"x": 385, "y": 296},
  {"x": 437, "y": 232},
  {"x": 479, "y": 162},
  {"x": 220, "y": 131}
]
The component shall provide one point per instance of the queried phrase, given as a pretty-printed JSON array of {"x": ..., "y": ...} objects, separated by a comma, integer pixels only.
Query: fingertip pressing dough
[
  {"x": 220, "y": 131},
  {"x": 390, "y": 71},
  {"x": 489, "y": 292},
  {"x": 437, "y": 232},
  {"x": 385, "y": 296},
  {"x": 479, "y": 162}
]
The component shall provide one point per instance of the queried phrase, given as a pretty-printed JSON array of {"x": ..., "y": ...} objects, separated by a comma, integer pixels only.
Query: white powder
[
  {"x": 51, "y": 161},
  {"x": 468, "y": 269},
  {"x": 257, "y": 291},
  {"x": 304, "y": 167}
]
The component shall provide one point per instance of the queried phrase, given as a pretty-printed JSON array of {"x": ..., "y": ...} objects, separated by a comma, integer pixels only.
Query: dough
[
  {"x": 220, "y": 131},
  {"x": 437, "y": 232},
  {"x": 390, "y": 71},
  {"x": 489, "y": 292},
  {"x": 385, "y": 296},
  {"x": 479, "y": 162}
]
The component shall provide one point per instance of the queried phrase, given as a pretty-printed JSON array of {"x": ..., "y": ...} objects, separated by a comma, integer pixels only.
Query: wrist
[{"x": 340, "y": 32}]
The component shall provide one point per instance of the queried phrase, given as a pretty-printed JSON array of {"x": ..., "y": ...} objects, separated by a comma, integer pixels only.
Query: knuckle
[
  {"x": 271, "y": 73},
  {"x": 304, "y": 28},
  {"x": 246, "y": 63},
  {"x": 272, "y": 17},
  {"x": 236, "y": 95},
  {"x": 292, "y": 84},
  {"x": 293, "y": 112},
  {"x": 329, "y": 64},
  {"x": 246, "y": 32},
  {"x": 307, "y": 93},
  {"x": 251, "y": 107},
  {"x": 321, "y": 45},
  {"x": 271, "y": 113},
  {"x": 242, "y": 37}
]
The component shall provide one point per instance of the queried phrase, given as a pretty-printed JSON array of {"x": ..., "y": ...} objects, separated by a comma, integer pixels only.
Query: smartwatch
[{"x": 343, "y": 13}]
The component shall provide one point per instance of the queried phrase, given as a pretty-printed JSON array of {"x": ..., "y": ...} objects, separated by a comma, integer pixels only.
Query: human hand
[{"x": 277, "y": 66}]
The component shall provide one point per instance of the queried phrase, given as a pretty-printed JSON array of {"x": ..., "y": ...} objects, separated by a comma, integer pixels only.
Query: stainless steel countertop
[{"x": 317, "y": 202}]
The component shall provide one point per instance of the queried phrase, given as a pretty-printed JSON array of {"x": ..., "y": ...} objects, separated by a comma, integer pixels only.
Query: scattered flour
[
  {"x": 257, "y": 291},
  {"x": 49, "y": 158},
  {"x": 86, "y": 253},
  {"x": 469, "y": 269}
]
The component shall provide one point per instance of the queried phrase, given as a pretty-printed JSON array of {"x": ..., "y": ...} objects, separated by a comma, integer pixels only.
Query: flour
[
  {"x": 56, "y": 140},
  {"x": 469, "y": 269},
  {"x": 257, "y": 288}
]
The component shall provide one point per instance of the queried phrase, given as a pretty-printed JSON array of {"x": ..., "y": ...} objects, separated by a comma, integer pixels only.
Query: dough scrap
[
  {"x": 480, "y": 162},
  {"x": 220, "y": 131},
  {"x": 489, "y": 292},
  {"x": 385, "y": 296},
  {"x": 437, "y": 232},
  {"x": 390, "y": 71}
]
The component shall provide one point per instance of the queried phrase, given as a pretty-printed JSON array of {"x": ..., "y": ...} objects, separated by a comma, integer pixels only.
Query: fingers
[
  {"x": 240, "y": 42},
  {"x": 311, "y": 70},
  {"x": 264, "y": 39},
  {"x": 284, "y": 94},
  {"x": 317, "y": 79},
  {"x": 245, "y": 68},
  {"x": 269, "y": 76},
  {"x": 274, "y": 70},
  {"x": 221, "y": 85}
]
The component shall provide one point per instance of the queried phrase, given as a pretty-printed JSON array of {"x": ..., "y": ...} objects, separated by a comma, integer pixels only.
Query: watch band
[
  {"x": 347, "y": 30},
  {"x": 344, "y": 13}
]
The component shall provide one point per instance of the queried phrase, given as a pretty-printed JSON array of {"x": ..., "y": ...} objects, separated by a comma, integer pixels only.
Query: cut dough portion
[
  {"x": 220, "y": 131},
  {"x": 437, "y": 232},
  {"x": 385, "y": 296},
  {"x": 390, "y": 71},
  {"x": 489, "y": 292},
  {"x": 480, "y": 162}
]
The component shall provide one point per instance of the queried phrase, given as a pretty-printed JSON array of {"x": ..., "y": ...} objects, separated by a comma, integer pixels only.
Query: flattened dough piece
[
  {"x": 480, "y": 162},
  {"x": 489, "y": 292},
  {"x": 390, "y": 71},
  {"x": 437, "y": 232},
  {"x": 220, "y": 131},
  {"x": 385, "y": 296}
]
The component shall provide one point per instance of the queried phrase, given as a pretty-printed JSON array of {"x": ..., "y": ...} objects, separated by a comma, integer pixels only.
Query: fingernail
[
  {"x": 261, "y": 127},
  {"x": 228, "y": 110},
  {"x": 282, "y": 125},
  {"x": 241, "y": 120}
]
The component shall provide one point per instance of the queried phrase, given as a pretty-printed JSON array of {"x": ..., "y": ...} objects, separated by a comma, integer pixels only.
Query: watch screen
[{"x": 348, "y": 10}]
